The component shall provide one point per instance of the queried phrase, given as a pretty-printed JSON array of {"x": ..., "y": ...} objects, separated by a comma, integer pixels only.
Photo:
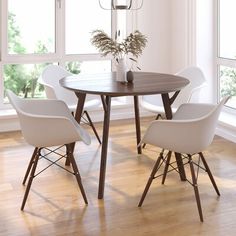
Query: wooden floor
[{"x": 55, "y": 205}]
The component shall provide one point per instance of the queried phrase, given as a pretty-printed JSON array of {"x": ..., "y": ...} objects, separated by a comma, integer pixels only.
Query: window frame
[
  {"x": 221, "y": 61},
  {"x": 59, "y": 56}
]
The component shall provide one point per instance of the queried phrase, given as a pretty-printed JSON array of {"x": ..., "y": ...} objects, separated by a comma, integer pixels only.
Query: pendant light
[{"x": 121, "y": 4}]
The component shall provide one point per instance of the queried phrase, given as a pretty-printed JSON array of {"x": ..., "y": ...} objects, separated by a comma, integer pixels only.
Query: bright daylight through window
[
  {"x": 37, "y": 33},
  {"x": 227, "y": 50}
]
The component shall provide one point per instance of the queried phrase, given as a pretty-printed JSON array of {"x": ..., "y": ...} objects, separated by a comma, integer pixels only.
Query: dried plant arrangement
[{"x": 132, "y": 45}]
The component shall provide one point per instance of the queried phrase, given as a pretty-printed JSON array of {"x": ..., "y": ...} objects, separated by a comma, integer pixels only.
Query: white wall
[
  {"x": 154, "y": 20},
  {"x": 205, "y": 47},
  {"x": 192, "y": 33},
  {"x": 171, "y": 37},
  {"x": 179, "y": 35}
]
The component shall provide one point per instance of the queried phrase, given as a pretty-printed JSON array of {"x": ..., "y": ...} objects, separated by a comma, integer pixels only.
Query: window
[
  {"x": 28, "y": 32},
  {"x": 226, "y": 60},
  {"x": 35, "y": 33}
]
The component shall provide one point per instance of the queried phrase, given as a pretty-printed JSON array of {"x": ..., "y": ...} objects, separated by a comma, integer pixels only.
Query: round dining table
[{"x": 106, "y": 86}]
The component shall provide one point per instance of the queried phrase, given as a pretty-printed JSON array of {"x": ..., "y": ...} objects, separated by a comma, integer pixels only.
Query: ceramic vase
[{"x": 121, "y": 71}]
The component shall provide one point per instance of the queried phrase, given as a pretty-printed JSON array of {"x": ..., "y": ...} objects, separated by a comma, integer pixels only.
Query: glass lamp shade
[{"x": 121, "y": 4}]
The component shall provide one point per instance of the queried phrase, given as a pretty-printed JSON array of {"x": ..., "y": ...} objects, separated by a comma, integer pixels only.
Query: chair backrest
[
  {"x": 50, "y": 79},
  {"x": 192, "y": 91},
  {"x": 197, "y": 134},
  {"x": 208, "y": 124},
  {"x": 22, "y": 108},
  {"x": 17, "y": 103}
]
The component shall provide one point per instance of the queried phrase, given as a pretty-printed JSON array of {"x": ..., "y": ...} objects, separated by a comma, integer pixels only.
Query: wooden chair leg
[
  {"x": 154, "y": 170},
  {"x": 93, "y": 127},
  {"x": 30, "y": 166},
  {"x": 209, "y": 173},
  {"x": 166, "y": 167},
  {"x": 195, "y": 186},
  {"x": 35, "y": 162},
  {"x": 77, "y": 175}
]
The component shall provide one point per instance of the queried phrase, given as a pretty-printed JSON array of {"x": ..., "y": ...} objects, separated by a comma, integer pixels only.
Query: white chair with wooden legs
[
  {"x": 190, "y": 93},
  {"x": 191, "y": 130},
  {"x": 48, "y": 123},
  {"x": 50, "y": 80}
]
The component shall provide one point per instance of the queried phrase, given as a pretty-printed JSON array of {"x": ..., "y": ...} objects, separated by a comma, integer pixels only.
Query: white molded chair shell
[
  {"x": 50, "y": 80},
  {"x": 190, "y": 135},
  {"x": 46, "y": 122},
  {"x": 190, "y": 93}
]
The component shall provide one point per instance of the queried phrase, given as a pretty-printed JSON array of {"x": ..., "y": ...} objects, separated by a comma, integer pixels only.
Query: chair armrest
[{"x": 196, "y": 90}]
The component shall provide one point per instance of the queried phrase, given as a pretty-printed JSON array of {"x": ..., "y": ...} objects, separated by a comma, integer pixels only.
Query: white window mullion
[
  {"x": 226, "y": 62},
  {"x": 60, "y": 31},
  {"x": 4, "y": 32},
  {"x": 3, "y": 46}
]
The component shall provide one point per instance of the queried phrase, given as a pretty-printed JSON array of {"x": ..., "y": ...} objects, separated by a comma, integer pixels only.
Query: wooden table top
[{"x": 105, "y": 84}]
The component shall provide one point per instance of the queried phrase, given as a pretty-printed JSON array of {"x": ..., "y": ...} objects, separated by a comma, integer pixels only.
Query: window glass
[
  {"x": 228, "y": 84},
  {"x": 22, "y": 79},
  {"x": 31, "y": 26},
  {"x": 227, "y": 31},
  {"x": 82, "y": 17}
]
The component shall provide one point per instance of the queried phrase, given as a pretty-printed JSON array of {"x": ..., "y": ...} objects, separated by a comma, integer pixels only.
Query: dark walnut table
[{"x": 106, "y": 87}]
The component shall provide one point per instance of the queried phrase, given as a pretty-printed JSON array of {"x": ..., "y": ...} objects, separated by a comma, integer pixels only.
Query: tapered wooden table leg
[
  {"x": 180, "y": 165},
  {"x": 106, "y": 124},
  {"x": 167, "y": 105},
  {"x": 137, "y": 123}
]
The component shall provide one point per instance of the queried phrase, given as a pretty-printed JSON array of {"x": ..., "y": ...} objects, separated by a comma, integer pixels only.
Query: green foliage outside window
[
  {"x": 22, "y": 78},
  {"x": 227, "y": 81}
]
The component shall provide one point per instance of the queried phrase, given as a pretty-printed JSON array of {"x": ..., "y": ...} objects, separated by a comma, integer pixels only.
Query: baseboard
[{"x": 226, "y": 131}]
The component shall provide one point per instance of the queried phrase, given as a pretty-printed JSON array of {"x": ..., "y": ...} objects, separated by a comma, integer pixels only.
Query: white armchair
[
  {"x": 191, "y": 93},
  {"x": 48, "y": 123},
  {"x": 191, "y": 130},
  {"x": 50, "y": 80}
]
